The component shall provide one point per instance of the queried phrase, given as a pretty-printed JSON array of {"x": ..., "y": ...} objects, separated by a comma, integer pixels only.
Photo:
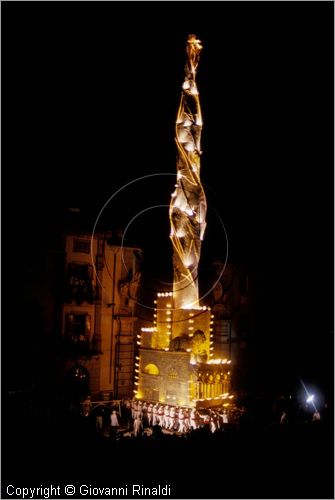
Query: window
[
  {"x": 222, "y": 330},
  {"x": 79, "y": 273},
  {"x": 81, "y": 246},
  {"x": 78, "y": 285},
  {"x": 78, "y": 327}
]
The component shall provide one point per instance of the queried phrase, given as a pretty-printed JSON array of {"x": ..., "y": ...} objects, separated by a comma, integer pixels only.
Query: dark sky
[{"x": 90, "y": 93}]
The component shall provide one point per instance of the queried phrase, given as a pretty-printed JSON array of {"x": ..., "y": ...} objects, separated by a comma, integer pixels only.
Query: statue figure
[
  {"x": 195, "y": 344},
  {"x": 181, "y": 343},
  {"x": 188, "y": 203}
]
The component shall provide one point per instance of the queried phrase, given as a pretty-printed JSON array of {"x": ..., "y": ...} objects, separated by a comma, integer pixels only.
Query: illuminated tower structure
[
  {"x": 188, "y": 202},
  {"x": 175, "y": 364}
]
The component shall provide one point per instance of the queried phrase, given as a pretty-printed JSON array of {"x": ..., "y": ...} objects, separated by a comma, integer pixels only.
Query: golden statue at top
[{"x": 193, "y": 49}]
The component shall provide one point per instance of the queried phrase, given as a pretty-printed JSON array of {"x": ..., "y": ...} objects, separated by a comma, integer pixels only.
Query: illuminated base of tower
[{"x": 175, "y": 365}]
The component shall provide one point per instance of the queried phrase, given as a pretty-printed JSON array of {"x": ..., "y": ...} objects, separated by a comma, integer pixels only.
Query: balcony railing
[{"x": 76, "y": 348}]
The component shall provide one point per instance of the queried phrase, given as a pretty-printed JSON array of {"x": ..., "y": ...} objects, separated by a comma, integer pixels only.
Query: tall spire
[{"x": 188, "y": 203}]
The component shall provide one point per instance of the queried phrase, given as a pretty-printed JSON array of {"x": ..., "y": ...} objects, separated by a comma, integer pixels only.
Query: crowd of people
[
  {"x": 132, "y": 417},
  {"x": 145, "y": 414}
]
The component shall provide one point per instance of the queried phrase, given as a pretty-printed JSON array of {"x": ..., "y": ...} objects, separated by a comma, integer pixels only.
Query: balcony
[
  {"x": 74, "y": 348},
  {"x": 78, "y": 286}
]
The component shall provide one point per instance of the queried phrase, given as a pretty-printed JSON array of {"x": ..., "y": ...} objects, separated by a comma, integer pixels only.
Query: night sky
[{"x": 90, "y": 94}]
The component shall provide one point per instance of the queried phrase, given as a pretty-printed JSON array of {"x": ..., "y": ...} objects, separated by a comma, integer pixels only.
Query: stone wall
[{"x": 171, "y": 385}]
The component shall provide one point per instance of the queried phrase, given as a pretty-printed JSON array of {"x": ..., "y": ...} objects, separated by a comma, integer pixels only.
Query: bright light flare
[{"x": 310, "y": 398}]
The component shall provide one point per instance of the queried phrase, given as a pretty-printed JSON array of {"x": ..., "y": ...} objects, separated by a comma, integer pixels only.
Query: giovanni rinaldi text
[{"x": 87, "y": 490}]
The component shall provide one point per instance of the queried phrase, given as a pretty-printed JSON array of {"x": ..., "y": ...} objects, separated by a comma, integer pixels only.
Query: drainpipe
[
  {"x": 96, "y": 339},
  {"x": 117, "y": 361},
  {"x": 112, "y": 328}
]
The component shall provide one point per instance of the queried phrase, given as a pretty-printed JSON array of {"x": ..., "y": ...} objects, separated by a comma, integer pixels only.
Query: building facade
[
  {"x": 233, "y": 304},
  {"x": 98, "y": 315}
]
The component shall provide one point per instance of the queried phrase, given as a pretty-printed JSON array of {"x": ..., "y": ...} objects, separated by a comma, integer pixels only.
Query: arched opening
[
  {"x": 78, "y": 381},
  {"x": 151, "y": 369}
]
